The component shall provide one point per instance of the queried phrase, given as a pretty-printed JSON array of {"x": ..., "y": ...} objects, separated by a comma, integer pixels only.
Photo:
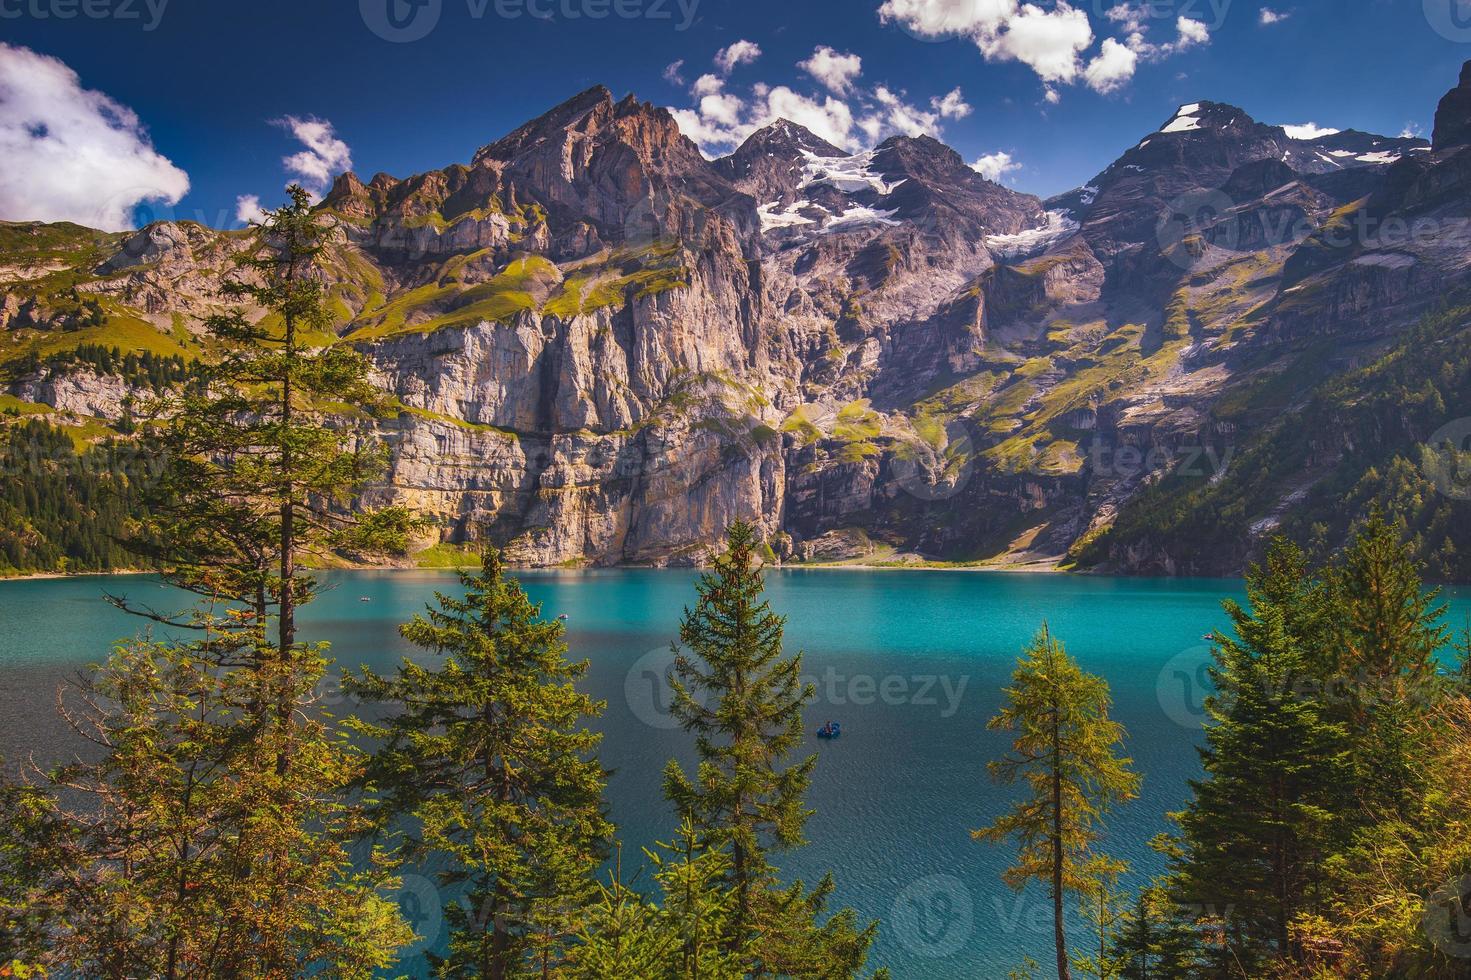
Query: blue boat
[{"x": 831, "y": 730}]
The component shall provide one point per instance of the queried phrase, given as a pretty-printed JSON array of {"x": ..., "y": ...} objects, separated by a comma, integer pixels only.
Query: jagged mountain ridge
[{"x": 606, "y": 346}]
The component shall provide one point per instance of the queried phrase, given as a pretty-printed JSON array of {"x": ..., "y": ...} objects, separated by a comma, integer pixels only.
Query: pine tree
[
  {"x": 258, "y": 476},
  {"x": 486, "y": 752},
  {"x": 621, "y": 935},
  {"x": 1066, "y": 753},
  {"x": 696, "y": 908},
  {"x": 1263, "y": 820},
  {"x": 214, "y": 754},
  {"x": 1387, "y": 632},
  {"x": 742, "y": 698},
  {"x": 1154, "y": 943}
]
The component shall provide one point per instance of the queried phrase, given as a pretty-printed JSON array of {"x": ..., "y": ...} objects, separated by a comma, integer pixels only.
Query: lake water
[{"x": 911, "y": 662}]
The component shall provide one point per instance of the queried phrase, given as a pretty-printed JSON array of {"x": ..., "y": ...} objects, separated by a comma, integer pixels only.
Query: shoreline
[{"x": 1034, "y": 568}]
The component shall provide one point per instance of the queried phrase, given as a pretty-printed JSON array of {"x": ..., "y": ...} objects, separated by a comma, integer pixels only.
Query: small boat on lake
[{"x": 831, "y": 730}]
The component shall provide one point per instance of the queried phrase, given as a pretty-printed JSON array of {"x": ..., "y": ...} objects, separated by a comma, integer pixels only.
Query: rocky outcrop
[
  {"x": 83, "y": 392},
  {"x": 1453, "y": 115}
]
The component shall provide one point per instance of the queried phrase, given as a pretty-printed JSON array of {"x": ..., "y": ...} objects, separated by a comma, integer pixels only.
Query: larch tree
[{"x": 1066, "y": 752}]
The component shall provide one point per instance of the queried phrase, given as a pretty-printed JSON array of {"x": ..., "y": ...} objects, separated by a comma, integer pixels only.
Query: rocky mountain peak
[
  {"x": 550, "y": 124},
  {"x": 1206, "y": 118},
  {"x": 769, "y": 164},
  {"x": 1453, "y": 115}
]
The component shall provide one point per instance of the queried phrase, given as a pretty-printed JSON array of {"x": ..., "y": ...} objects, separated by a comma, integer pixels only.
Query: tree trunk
[{"x": 1063, "y": 970}]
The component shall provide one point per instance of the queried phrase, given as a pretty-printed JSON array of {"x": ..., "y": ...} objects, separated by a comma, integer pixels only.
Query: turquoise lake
[{"x": 911, "y": 663}]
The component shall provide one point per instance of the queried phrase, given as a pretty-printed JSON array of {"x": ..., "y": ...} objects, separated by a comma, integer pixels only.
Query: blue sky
[{"x": 220, "y": 90}]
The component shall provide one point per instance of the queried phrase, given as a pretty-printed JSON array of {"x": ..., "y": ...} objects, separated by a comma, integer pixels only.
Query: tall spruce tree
[
  {"x": 486, "y": 758},
  {"x": 214, "y": 754},
  {"x": 1387, "y": 631},
  {"x": 1066, "y": 753},
  {"x": 263, "y": 451},
  {"x": 742, "y": 696},
  {"x": 680, "y": 937},
  {"x": 1266, "y": 816}
]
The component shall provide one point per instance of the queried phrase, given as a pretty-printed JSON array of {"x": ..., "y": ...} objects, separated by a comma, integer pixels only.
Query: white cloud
[
  {"x": 707, "y": 84},
  {"x": 707, "y": 134},
  {"x": 723, "y": 109},
  {"x": 1411, "y": 131},
  {"x": 945, "y": 18},
  {"x": 1111, "y": 68},
  {"x": 833, "y": 69},
  {"x": 720, "y": 120},
  {"x": 893, "y": 114},
  {"x": 831, "y": 119},
  {"x": 1308, "y": 131},
  {"x": 1190, "y": 33},
  {"x": 993, "y": 166},
  {"x": 325, "y": 155},
  {"x": 1268, "y": 16},
  {"x": 248, "y": 209},
  {"x": 73, "y": 154},
  {"x": 952, "y": 105},
  {"x": 1047, "y": 41},
  {"x": 672, "y": 72},
  {"x": 1054, "y": 39},
  {"x": 742, "y": 52}
]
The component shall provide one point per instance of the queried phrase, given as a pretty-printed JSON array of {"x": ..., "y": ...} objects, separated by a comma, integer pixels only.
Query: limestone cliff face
[{"x": 604, "y": 347}]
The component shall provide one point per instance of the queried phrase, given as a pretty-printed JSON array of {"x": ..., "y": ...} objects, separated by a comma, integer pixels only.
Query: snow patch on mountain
[
  {"x": 788, "y": 217},
  {"x": 1024, "y": 243},
  {"x": 859, "y": 215},
  {"x": 848, "y": 174}
]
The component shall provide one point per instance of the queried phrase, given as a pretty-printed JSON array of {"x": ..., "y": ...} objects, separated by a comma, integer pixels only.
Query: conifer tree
[
  {"x": 1387, "y": 632},
  {"x": 742, "y": 696},
  {"x": 1066, "y": 753},
  {"x": 486, "y": 752},
  {"x": 1265, "y": 817},
  {"x": 214, "y": 754},
  {"x": 1153, "y": 943},
  {"x": 258, "y": 473},
  {"x": 181, "y": 852}
]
